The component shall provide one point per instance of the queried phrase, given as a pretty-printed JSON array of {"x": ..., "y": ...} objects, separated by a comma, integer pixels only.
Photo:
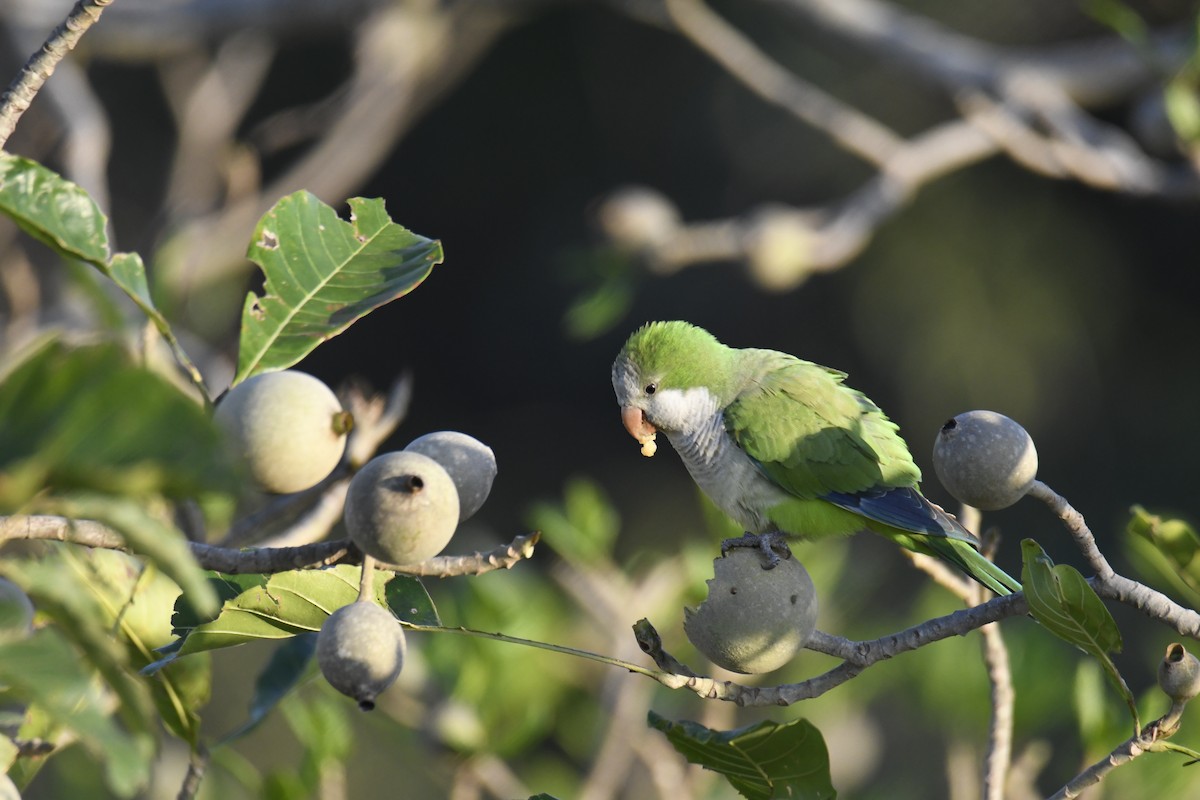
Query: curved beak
[
  {"x": 639, "y": 428},
  {"x": 635, "y": 422}
]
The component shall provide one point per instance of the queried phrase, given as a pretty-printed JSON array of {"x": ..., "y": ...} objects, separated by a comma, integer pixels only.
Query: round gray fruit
[
  {"x": 360, "y": 650},
  {"x": 985, "y": 459},
  {"x": 1179, "y": 674},
  {"x": 754, "y": 620},
  {"x": 288, "y": 427},
  {"x": 470, "y": 462},
  {"x": 401, "y": 508}
]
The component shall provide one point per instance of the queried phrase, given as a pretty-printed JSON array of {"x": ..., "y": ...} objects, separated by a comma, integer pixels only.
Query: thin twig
[
  {"x": 1125, "y": 752},
  {"x": 1107, "y": 582},
  {"x": 20, "y": 93},
  {"x": 999, "y": 752},
  {"x": 197, "y": 766},
  {"x": 856, "y": 656},
  {"x": 851, "y": 129}
]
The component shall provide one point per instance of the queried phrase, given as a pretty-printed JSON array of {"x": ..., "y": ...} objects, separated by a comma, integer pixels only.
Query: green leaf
[
  {"x": 164, "y": 545},
  {"x": 1120, "y": 17},
  {"x": 318, "y": 721},
  {"x": 45, "y": 670},
  {"x": 288, "y": 666},
  {"x": 63, "y": 216},
  {"x": 226, "y": 587},
  {"x": 128, "y": 272},
  {"x": 52, "y": 209},
  {"x": 1061, "y": 599},
  {"x": 407, "y": 598},
  {"x": 584, "y": 527},
  {"x": 88, "y": 418},
  {"x": 85, "y": 622},
  {"x": 761, "y": 761},
  {"x": 323, "y": 274},
  {"x": 1167, "y": 547},
  {"x": 1182, "y": 101},
  {"x": 135, "y": 599},
  {"x": 291, "y": 603}
]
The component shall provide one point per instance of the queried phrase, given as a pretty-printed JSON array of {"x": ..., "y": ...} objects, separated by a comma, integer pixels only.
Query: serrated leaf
[
  {"x": 287, "y": 667},
  {"x": 52, "y": 209},
  {"x": 89, "y": 418},
  {"x": 1061, "y": 599},
  {"x": 761, "y": 761},
  {"x": 323, "y": 274}
]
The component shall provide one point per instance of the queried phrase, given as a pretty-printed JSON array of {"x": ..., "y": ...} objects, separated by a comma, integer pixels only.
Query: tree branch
[
  {"x": 1107, "y": 582},
  {"x": 268, "y": 560},
  {"x": 1125, "y": 752},
  {"x": 856, "y": 655},
  {"x": 20, "y": 93}
]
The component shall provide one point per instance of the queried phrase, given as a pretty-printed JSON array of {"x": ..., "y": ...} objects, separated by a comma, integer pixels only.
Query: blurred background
[{"x": 961, "y": 204}]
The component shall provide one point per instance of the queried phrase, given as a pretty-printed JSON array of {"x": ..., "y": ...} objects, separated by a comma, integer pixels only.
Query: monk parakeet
[{"x": 783, "y": 446}]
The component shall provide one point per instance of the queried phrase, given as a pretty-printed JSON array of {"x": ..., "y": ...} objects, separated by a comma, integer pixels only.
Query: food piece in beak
[{"x": 640, "y": 429}]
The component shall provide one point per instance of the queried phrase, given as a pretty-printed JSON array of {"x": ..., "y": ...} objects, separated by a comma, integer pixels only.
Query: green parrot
[{"x": 783, "y": 446}]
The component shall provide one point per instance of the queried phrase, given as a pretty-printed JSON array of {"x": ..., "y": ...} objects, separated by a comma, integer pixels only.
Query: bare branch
[
  {"x": 1000, "y": 731},
  {"x": 20, "y": 93},
  {"x": 1128, "y": 750},
  {"x": 852, "y": 130}
]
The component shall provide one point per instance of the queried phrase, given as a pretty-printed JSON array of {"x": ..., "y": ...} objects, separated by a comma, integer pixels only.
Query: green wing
[{"x": 813, "y": 435}]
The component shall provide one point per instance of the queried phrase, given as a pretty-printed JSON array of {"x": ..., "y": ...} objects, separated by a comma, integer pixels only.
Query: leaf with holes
[
  {"x": 322, "y": 275},
  {"x": 760, "y": 761}
]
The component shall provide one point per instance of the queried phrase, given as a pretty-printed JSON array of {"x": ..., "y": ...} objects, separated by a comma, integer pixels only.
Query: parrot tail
[{"x": 964, "y": 556}]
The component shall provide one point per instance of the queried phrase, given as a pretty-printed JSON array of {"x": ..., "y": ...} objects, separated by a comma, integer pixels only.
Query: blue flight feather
[{"x": 903, "y": 508}]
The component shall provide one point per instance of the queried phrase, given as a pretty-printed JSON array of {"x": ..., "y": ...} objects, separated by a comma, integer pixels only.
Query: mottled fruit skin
[
  {"x": 284, "y": 426},
  {"x": 360, "y": 650},
  {"x": 401, "y": 508},
  {"x": 1179, "y": 674},
  {"x": 985, "y": 459},
  {"x": 470, "y": 462},
  {"x": 754, "y": 620},
  {"x": 16, "y": 612}
]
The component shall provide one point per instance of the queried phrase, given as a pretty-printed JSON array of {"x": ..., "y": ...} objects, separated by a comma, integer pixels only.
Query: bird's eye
[{"x": 651, "y": 388}]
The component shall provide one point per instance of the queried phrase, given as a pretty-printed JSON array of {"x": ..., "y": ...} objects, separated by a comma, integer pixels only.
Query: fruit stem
[
  {"x": 364, "y": 582},
  {"x": 343, "y": 423}
]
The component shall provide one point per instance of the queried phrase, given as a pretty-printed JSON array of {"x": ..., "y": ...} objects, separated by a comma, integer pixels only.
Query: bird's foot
[{"x": 772, "y": 546}]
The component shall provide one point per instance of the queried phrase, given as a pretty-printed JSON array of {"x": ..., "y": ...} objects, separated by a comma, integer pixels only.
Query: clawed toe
[{"x": 772, "y": 546}]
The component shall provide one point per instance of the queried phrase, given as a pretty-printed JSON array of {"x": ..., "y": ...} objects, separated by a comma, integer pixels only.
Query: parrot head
[{"x": 666, "y": 376}]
